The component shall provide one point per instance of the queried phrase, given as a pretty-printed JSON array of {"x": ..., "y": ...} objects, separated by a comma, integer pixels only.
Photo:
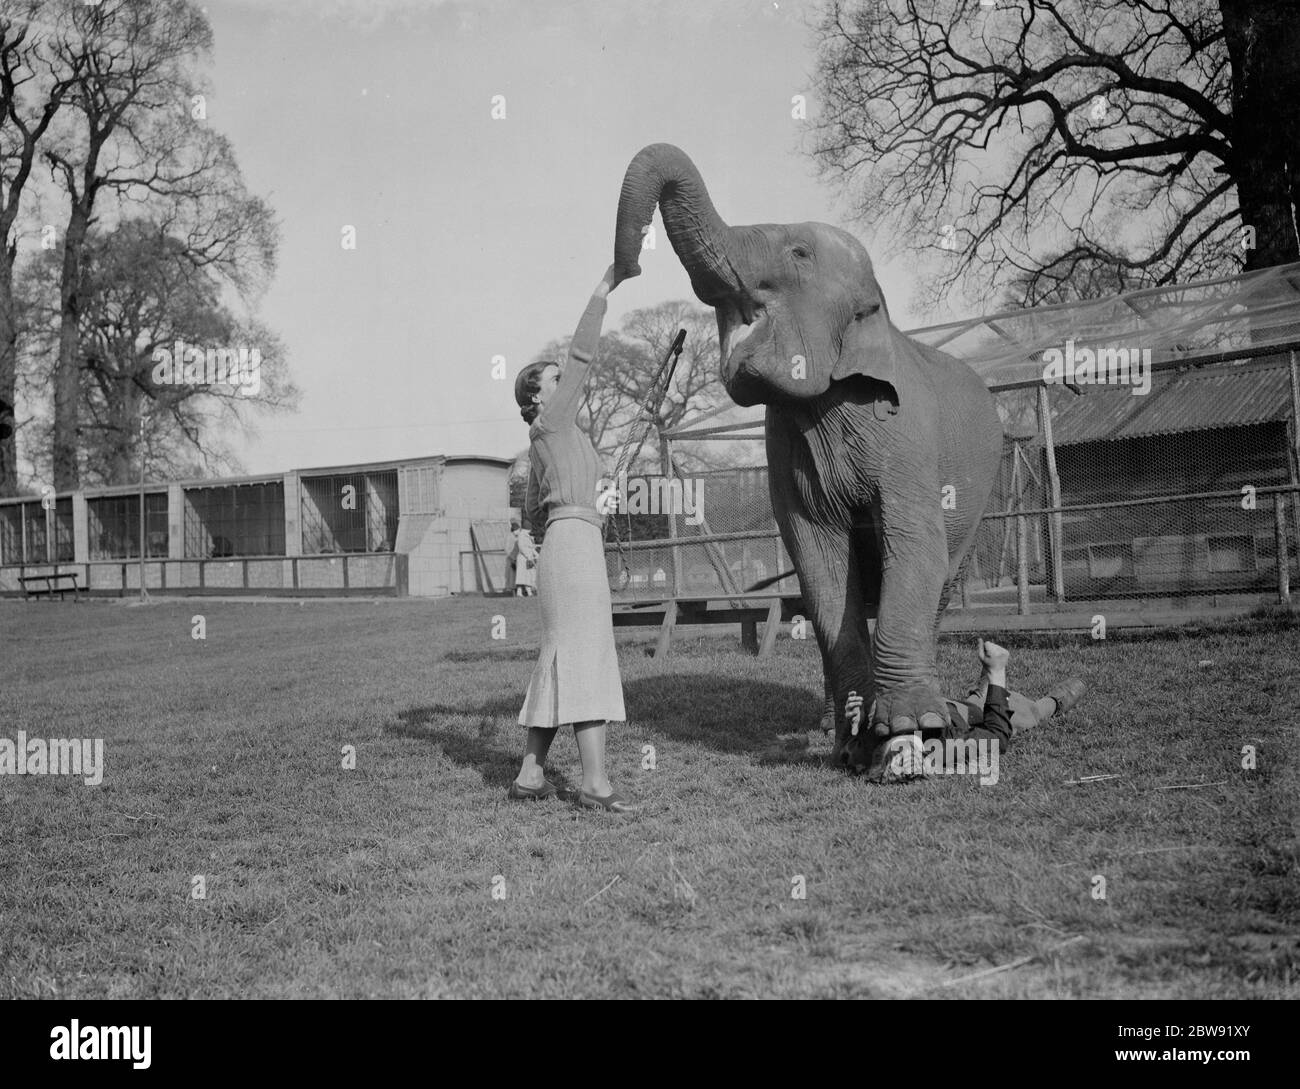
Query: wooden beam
[
  {"x": 771, "y": 629},
  {"x": 664, "y": 645}
]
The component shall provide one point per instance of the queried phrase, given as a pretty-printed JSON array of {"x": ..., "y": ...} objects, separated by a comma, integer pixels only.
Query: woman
[{"x": 576, "y": 679}]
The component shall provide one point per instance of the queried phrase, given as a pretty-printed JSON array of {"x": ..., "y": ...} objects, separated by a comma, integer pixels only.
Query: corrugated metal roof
[{"x": 1226, "y": 396}]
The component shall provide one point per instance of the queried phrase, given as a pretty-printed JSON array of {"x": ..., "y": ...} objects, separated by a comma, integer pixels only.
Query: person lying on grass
[{"x": 990, "y": 712}]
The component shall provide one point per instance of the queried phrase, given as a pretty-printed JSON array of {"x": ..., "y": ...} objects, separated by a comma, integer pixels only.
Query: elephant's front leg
[
  {"x": 914, "y": 561},
  {"x": 833, "y": 595}
]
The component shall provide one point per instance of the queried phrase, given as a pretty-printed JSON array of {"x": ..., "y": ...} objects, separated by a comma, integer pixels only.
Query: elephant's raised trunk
[{"x": 663, "y": 174}]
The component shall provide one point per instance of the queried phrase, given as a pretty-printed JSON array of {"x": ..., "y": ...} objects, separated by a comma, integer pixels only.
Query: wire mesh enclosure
[
  {"x": 113, "y": 524},
  {"x": 349, "y": 512},
  {"x": 715, "y": 533},
  {"x": 1166, "y": 467},
  {"x": 234, "y": 520}
]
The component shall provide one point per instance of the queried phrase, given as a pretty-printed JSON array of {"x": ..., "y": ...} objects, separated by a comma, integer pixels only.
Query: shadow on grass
[
  {"x": 731, "y": 715},
  {"x": 487, "y": 748},
  {"x": 728, "y": 714}
]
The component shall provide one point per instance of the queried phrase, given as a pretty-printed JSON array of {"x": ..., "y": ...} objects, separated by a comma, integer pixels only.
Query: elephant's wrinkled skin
[{"x": 867, "y": 432}]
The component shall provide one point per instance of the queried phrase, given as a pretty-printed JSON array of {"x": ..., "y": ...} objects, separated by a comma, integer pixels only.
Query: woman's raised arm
[{"x": 563, "y": 404}]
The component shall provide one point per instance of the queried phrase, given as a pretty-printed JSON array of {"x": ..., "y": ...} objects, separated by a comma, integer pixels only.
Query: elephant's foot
[
  {"x": 827, "y": 721},
  {"x": 888, "y": 747}
]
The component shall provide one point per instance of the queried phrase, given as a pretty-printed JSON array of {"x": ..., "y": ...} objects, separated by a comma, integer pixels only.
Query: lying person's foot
[{"x": 1067, "y": 694}]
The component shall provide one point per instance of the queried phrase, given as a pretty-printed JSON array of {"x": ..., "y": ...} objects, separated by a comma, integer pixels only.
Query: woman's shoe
[
  {"x": 530, "y": 794},
  {"x": 613, "y": 802}
]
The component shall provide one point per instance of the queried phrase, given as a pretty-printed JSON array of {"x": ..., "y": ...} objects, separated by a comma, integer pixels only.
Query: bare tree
[
  {"x": 626, "y": 364},
  {"x": 1105, "y": 144},
  {"x": 31, "y": 95},
  {"x": 130, "y": 138},
  {"x": 146, "y": 299}
]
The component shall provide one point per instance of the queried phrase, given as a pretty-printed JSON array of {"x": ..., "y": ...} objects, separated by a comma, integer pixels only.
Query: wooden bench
[
  {"x": 746, "y": 609},
  {"x": 50, "y": 587}
]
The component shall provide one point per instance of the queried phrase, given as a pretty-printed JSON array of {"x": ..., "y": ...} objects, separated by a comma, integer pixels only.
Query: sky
[{"x": 479, "y": 237}]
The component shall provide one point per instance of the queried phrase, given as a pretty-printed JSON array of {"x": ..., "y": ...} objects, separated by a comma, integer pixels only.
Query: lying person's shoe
[
  {"x": 530, "y": 794},
  {"x": 1067, "y": 694},
  {"x": 614, "y": 802}
]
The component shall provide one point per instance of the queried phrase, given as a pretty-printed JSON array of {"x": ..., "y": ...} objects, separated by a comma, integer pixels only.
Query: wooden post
[
  {"x": 1283, "y": 561},
  {"x": 1055, "y": 521},
  {"x": 664, "y": 645},
  {"x": 771, "y": 629},
  {"x": 144, "y": 535},
  {"x": 1293, "y": 454}
]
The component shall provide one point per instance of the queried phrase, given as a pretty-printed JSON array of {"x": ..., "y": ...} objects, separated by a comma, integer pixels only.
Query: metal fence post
[{"x": 1055, "y": 522}]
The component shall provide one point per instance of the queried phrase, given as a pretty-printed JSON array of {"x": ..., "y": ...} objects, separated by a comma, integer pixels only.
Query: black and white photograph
[{"x": 607, "y": 500}]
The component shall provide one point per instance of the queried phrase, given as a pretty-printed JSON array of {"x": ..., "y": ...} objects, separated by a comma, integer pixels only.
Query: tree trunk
[
  {"x": 67, "y": 384},
  {"x": 8, "y": 375},
  {"x": 1263, "y": 40}
]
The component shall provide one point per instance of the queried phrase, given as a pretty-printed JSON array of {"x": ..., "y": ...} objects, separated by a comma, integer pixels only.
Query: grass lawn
[{"x": 223, "y": 759}]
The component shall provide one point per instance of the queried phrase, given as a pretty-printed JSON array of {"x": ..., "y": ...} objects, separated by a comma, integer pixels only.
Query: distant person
[
  {"x": 576, "y": 680},
  {"x": 990, "y": 711},
  {"x": 521, "y": 561}
]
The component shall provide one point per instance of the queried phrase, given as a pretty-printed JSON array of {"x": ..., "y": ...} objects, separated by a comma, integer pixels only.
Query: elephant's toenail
[
  {"x": 882, "y": 729},
  {"x": 932, "y": 721},
  {"x": 903, "y": 725}
]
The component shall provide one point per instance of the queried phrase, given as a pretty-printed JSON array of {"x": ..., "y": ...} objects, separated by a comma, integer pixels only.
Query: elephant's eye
[{"x": 801, "y": 252}]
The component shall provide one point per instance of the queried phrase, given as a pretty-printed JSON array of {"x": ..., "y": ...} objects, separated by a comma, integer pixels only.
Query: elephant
[{"x": 882, "y": 451}]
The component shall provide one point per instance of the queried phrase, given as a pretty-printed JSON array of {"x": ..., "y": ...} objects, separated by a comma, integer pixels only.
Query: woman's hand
[{"x": 609, "y": 281}]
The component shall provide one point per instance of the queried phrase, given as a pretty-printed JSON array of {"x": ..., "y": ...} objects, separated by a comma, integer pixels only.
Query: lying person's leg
[{"x": 1027, "y": 713}]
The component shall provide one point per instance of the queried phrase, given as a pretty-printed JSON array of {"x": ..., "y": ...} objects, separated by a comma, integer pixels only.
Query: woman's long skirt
[{"x": 576, "y": 678}]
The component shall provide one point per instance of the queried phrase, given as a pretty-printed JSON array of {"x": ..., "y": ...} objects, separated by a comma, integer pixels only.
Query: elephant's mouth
[{"x": 741, "y": 330}]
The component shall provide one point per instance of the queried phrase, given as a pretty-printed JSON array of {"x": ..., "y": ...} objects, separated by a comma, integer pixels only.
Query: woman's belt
[{"x": 575, "y": 510}]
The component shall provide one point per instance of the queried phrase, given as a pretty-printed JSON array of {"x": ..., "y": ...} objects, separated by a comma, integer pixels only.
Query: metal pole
[
  {"x": 144, "y": 594},
  {"x": 1055, "y": 521}
]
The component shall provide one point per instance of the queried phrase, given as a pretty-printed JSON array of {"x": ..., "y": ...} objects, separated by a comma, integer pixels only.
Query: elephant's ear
[{"x": 869, "y": 348}]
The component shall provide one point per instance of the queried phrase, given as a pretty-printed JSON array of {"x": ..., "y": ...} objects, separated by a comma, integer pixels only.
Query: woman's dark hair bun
[{"x": 527, "y": 382}]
